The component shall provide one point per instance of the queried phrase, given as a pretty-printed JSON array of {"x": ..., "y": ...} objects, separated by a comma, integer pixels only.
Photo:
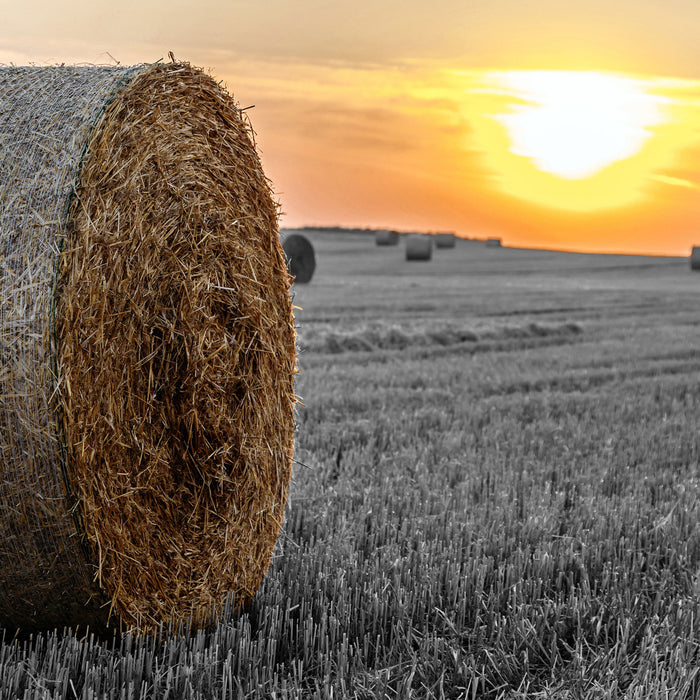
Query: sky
[{"x": 547, "y": 123}]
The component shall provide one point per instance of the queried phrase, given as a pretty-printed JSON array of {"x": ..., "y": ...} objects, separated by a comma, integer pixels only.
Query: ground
[{"x": 495, "y": 493}]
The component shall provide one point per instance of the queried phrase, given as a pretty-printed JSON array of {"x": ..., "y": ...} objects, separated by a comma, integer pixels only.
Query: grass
[{"x": 495, "y": 495}]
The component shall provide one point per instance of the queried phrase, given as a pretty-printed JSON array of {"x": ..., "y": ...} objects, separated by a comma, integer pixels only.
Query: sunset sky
[{"x": 548, "y": 123}]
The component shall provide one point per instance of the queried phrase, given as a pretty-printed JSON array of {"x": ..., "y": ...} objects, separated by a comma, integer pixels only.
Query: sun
[
  {"x": 577, "y": 140},
  {"x": 574, "y": 124}
]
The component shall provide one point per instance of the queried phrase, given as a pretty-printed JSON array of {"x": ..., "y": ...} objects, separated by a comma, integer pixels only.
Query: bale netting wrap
[
  {"x": 148, "y": 350},
  {"x": 299, "y": 252},
  {"x": 386, "y": 238},
  {"x": 695, "y": 258},
  {"x": 445, "y": 240},
  {"x": 419, "y": 247}
]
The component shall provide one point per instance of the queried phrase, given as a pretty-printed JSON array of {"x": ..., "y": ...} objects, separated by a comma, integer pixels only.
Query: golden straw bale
[
  {"x": 445, "y": 240},
  {"x": 299, "y": 252},
  {"x": 386, "y": 237},
  {"x": 148, "y": 347},
  {"x": 419, "y": 247},
  {"x": 695, "y": 258}
]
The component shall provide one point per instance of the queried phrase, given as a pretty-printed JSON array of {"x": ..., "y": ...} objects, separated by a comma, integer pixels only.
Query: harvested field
[{"x": 495, "y": 495}]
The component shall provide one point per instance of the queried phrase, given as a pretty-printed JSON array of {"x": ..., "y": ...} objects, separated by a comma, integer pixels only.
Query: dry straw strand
[
  {"x": 147, "y": 431},
  {"x": 299, "y": 252}
]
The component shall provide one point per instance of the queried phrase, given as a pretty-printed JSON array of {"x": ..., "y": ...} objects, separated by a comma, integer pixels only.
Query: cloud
[
  {"x": 599, "y": 35},
  {"x": 674, "y": 181}
]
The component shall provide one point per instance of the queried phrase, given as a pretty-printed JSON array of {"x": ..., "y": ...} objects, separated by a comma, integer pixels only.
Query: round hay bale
[
  {"x": 445, "y": 240},
  {"x": 148, "y": 350},
  {"x": 301, "y": 261},
  {"x": 695, "y": 258},
  {"x": 419, "y": 247},
  {"x": 386, "y": 237}
]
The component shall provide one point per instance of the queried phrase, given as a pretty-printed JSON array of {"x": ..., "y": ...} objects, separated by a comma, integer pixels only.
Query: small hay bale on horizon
[
  {"x": 445, "y": 240},
  {"x": 419, "y": 247},
  {"x": 493, "y": 243},
  {"x": 300, "y": 256},
  {"x": 148, "y": 350},
  {"x": 695, "y": 258},
  {"x": 386, "y": 238}
]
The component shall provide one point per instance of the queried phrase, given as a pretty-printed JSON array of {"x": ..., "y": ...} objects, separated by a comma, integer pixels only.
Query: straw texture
[
  {"x": 695, "y": 258},
  {"x": 386, "y": 237},
  {"x": 419, "y": 247},
  {"x": 301, "y": 259},
  {"x": 148, "y": 346}
]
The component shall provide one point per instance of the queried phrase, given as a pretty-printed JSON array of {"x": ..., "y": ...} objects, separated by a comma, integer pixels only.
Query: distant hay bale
[
  {"x": 148, "y": 350},
  {"x": 445, "y": 240},
  {"x": 419, "y": 247},
  {"x": 386, "y": 237},
  {"x": 299, "y": 252},
  {"x": 695, "y": 258},
  {"x": 493, "y": 243}
]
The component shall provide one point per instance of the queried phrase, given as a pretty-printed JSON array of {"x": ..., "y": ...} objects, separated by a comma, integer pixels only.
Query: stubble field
[{"x": 495, "y": 494}]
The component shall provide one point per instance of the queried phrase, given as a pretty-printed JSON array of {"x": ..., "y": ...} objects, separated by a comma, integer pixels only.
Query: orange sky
[{"x": 419, "y": 116}]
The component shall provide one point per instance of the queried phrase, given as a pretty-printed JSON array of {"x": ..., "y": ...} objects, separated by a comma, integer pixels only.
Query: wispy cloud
[{"x": 674, "y": 181}]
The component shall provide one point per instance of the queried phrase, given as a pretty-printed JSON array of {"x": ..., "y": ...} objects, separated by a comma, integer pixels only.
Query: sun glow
[
  {"x": 575, "y": 124},
  {"x": 580, "y": 141}
]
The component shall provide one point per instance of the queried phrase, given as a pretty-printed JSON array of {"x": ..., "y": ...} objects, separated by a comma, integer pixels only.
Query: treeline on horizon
[{"x": 371, "y": 231}]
